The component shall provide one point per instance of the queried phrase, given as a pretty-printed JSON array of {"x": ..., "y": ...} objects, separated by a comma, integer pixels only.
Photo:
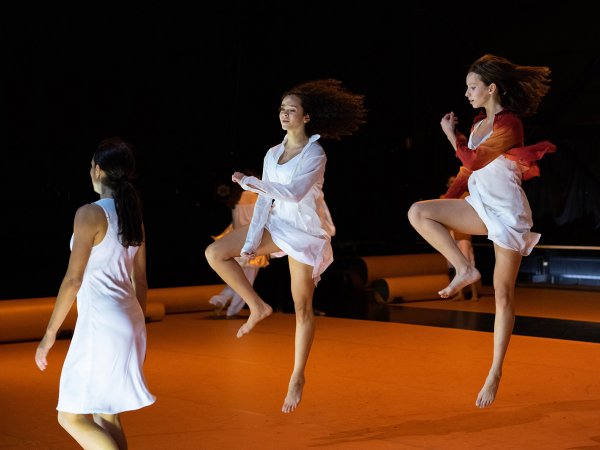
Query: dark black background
[{"x": 196, "y": 90}]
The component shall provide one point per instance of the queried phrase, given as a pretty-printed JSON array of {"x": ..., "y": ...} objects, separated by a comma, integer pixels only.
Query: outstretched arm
[{"x": 310, "y": 172}]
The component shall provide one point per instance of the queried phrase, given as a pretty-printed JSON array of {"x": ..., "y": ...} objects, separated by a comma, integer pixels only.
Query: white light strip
[{"x": 583, "y": 277}]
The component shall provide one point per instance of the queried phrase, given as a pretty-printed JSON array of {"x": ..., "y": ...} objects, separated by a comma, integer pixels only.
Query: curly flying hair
[{"x": 334, "y": 111}]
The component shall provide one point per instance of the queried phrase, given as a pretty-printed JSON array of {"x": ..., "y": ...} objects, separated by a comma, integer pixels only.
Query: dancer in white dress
[
  {"x": 494, "y": 164},
  {"x": 102, "y": 374},
  {"x": 290, "y": 216}
]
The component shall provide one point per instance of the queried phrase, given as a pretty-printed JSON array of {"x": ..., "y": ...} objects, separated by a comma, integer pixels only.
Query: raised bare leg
[
  {"x": 505, "y": 276},
  {"x": 220, "y": 255},
  {"x": 432, "y": 219},
  {"x": 303, "y": 288}
]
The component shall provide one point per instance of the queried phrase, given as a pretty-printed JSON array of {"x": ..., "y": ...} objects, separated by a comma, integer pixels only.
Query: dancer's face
[
  {"x": 291, "y": 113},
  {"x": 478, "y": 93}
]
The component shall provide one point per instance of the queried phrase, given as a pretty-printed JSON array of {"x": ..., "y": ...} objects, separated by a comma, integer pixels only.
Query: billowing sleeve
[
  {"x": 527, "y": 156},
  {"x": 310, "y": 171},
  {"x": 262, "y": 209},
  {"x": 507, "y": 133}
]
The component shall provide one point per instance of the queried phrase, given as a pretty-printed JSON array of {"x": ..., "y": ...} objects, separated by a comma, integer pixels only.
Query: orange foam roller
[
  {"x": 155, "y": 311},
  {"x": 409, "y": 288},
  {"x": 401, "y": 265},
  {"x": 185, "y": 298},
  {"x": 27, "y": 319}
]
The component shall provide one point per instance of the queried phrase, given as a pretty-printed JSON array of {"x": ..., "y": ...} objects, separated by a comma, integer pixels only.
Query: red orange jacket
[{"x": 507, "y": 139}]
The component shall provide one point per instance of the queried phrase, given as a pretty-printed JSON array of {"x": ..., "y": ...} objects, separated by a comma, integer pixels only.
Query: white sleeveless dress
[
  {"x": 102, "y": 372},
  {"x": 496, "y": 194}
]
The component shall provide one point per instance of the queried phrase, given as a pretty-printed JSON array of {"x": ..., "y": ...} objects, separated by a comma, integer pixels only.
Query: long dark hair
[
  {"x": 521, "y": 87},
  {"x": 115, "y": 157}
]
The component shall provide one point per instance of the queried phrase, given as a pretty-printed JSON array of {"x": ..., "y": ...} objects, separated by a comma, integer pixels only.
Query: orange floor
[{"x": 370, "y": 385}]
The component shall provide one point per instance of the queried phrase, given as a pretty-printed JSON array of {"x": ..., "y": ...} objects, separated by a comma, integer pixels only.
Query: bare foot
[
  {"x": 459, "y": 296},
  {"x": 488, "y": 392},
  {"x": 294, "y": 395},
  {"x": 262, "y": 312},
  {"x": 462, "y": 279},
  {"x": 219, "y": 303}
]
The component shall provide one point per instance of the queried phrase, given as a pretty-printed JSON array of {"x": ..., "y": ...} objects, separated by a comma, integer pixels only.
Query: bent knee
[
  {"x": 416, "y": 212},
  {"x": 217, "y": 252},
  {"x": 212, "y": 252}
]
